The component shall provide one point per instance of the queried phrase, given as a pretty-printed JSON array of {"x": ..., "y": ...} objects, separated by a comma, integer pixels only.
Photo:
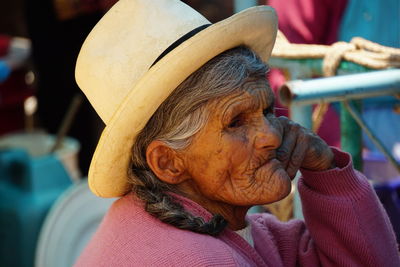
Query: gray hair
[{"x": 183, "y": 114}]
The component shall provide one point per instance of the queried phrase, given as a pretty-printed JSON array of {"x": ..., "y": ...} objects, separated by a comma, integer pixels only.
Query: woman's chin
[{"x": 279, "y": 188}]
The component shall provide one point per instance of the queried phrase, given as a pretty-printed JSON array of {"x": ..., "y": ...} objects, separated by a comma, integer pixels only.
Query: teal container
[{"x": 29, "y": 184}]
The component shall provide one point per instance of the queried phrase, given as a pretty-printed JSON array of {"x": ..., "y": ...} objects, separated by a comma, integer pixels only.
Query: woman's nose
[{"x": 268, "y": 135}]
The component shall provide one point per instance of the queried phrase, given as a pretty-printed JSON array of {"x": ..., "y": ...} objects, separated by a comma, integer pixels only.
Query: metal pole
[
  {"x": 340, "y": 88},
  {"x": 301, "y": 114},
  {"x": 357, "y": 117},
  {"x": 351, "y": 134}
]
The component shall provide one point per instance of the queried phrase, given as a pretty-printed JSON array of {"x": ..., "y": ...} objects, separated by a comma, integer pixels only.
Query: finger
[
  {"x": 318, "y": 156},
  {"x": 297, "y": 156},
  {"x": 284, "y": 151}
]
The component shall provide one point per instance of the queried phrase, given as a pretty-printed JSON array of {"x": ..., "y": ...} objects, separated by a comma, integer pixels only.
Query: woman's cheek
[{"x": 239, "y": 149}]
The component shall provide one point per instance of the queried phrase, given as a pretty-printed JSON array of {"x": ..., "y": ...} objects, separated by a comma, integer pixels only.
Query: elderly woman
[{"x": 191, "y": 143}]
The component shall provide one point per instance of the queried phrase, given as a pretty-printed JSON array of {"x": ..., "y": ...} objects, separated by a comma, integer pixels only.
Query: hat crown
[{"x": 121, "y": 49}]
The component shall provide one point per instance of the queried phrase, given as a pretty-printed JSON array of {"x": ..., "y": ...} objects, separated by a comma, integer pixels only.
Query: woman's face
[{"x": 233, "y": 158}]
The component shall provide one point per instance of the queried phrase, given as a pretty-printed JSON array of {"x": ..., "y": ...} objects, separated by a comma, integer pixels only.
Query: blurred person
[{"x": 57, "y": 28}]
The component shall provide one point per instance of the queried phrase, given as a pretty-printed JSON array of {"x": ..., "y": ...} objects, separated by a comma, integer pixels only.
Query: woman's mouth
[{"x": 270, "y": 167}]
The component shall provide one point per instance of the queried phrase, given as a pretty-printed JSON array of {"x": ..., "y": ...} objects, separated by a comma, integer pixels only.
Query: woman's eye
[
  {"x": 268, "y": 111},
  {"x": 236, "y": 122}
]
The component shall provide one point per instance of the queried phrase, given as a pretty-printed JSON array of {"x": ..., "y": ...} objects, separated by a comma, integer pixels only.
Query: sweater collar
[{"x": 192, "y": 207}]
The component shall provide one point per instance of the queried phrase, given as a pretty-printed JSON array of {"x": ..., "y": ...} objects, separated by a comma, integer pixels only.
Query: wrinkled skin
[{"x": 246, "y": 156}]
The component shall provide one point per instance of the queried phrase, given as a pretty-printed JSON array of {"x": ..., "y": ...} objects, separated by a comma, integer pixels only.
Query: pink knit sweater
[{"x": 345, "y": 225}]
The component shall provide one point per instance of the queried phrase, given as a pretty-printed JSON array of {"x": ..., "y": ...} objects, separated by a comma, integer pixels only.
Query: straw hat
[{"x": 115, "y": 69}]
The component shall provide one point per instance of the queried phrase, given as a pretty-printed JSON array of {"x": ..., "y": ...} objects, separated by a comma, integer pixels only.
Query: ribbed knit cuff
[{"x": 340, "y": 181}]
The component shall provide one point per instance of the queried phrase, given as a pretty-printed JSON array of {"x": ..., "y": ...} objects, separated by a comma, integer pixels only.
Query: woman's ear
[{"x": 165, "y": 163}]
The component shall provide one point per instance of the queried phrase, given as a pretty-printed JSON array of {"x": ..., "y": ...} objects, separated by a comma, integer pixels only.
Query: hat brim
[{"x": 255, "y": 28}]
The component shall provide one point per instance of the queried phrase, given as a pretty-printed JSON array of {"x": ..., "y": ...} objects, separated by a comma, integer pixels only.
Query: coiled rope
[{"x": 359, "y": 50}]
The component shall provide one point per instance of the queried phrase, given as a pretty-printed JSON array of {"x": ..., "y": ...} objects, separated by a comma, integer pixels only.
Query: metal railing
[{"x": 358, "y": 83}]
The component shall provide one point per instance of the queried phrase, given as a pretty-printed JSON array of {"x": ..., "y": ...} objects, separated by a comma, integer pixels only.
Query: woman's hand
[{"x": 301, "y": 148}]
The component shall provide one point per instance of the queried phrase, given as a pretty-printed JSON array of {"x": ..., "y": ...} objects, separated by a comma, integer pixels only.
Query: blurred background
[{"x": 48, "y": 129}]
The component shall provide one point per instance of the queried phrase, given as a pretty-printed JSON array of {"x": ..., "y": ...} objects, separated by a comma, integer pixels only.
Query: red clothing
[
  {"x": 309, "y": 21},
  {"x": 4, "y": 45},
  {"x": 345, "y": 225}
]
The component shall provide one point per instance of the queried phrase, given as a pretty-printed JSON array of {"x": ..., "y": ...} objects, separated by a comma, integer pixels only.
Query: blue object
[
  {"x": 374, "y": 20},
  {"x": 4, "y": 71},
  {"x": 28, "y": 188}
]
